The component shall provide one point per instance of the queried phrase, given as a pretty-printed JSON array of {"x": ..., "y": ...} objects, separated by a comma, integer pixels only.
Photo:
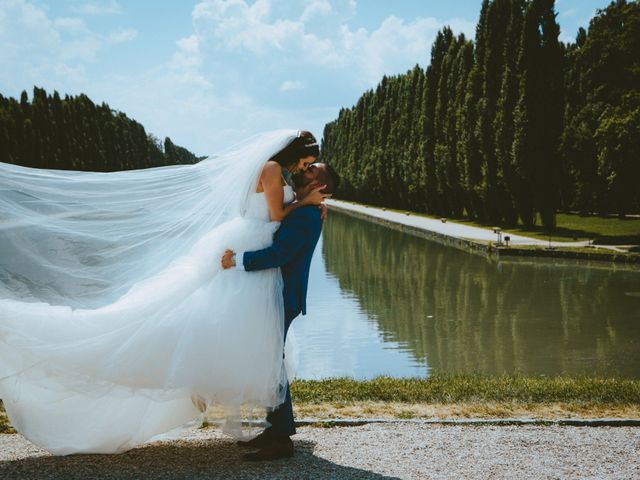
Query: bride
[{"x": 117, "y": 322}]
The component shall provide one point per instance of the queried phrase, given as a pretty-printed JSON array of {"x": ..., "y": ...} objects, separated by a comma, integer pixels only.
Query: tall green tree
[
  {"x": 538, "y": 116},
  {"x": 601, "y": 114},
  {"x": 443, "y": 134},
  {"x": 472, "y": 176},
  {"x": 465, "y": 149},
  {"x": 490, "y": 71},
  {"x": 509, "y": 188}
]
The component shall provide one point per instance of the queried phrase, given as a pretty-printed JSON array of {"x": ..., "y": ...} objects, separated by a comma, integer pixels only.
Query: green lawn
[
  {"x": 461, "y": 396},
  {"x": 5, "y": 426},
  {"x": 603, "y": 230},
  {"x": 574, "y": 227},
  {"x": 451, "y": 388}
]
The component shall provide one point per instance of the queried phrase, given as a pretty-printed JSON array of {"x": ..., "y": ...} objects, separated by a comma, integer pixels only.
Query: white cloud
[
  {"x": 189, "y": 44},
  {"x": 48, "y": 51},
  {"x": 72, "y": 26},
  {"x": 289, "y": 85},
  {"x": 244, "y": 66},
  {"x": 123, "y": 35},
  {"x": 239, "y": 26},
  {"x": 111, "y": 7},
  {"x": 316, "y": 9},
  {"x": 236, "y": 26}
]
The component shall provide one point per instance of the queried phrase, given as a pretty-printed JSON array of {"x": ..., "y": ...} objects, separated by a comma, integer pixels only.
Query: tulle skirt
[{"x": 106, "y": 379}]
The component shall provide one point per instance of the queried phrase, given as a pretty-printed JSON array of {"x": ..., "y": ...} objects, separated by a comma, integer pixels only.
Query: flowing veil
[
  {"x": 83, "y": 239},
  {"x": 109, "y": 291}
]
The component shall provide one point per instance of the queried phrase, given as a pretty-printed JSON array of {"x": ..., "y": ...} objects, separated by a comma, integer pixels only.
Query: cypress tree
[
  {"x": 538, "y": 114},
  {"x": 430, "y": 127},
  {"x": 471, "y": 144},
  {"x": 490, "y": 72},
  {"x": 442, "y": 153},
  {"x": 508, "y": 184},
  {"x": 463, "y": 126}
]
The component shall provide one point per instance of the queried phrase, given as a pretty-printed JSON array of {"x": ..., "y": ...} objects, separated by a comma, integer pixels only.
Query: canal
[{"x": 383, "y": 302}]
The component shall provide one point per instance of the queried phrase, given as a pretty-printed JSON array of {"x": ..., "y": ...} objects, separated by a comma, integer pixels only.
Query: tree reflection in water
[{"x": 461, "y": 312}]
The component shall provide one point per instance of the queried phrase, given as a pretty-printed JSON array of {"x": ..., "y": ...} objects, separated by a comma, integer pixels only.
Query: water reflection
[
  {"x": 440, "y": 308},
  {"x": 338, "y": 338}
]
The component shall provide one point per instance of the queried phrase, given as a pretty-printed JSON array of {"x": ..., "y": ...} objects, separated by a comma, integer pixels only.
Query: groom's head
[{"x": 315, "y": 175}]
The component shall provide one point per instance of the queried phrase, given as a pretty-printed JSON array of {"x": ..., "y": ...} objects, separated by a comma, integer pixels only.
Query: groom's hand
[{"x": 228, "y": 259}]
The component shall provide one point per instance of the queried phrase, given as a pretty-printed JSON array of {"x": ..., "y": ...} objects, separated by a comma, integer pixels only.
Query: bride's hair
[{"x": 304, "y": 145}]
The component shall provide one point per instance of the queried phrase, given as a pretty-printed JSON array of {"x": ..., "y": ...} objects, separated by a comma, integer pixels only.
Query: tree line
[
  {"x": 505, "y": 128},
  {"x": 73, "y": 133}
]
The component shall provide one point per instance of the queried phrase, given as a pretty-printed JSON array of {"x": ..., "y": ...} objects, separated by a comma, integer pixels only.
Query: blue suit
[{"x": 292, "y": 249}]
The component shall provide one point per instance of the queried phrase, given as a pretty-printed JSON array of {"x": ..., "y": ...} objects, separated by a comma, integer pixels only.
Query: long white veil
[
  {"x": 83, "y": 239},
  {"x": 113, "y": 313}
]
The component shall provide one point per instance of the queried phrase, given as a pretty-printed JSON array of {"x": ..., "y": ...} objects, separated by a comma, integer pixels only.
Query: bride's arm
[{"x": 271, "y": 180}]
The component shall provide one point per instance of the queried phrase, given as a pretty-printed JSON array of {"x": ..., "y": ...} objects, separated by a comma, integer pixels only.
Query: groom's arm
[{"x": 288, "y": 241}]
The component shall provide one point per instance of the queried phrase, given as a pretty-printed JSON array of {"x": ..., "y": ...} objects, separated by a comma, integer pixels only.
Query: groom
[{"x": 292, "y": 249}]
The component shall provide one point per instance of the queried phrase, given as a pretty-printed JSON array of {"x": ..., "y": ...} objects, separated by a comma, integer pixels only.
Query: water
[{"x": 385, "y": 302}]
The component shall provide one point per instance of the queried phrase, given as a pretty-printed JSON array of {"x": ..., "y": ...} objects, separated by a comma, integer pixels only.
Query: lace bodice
[{"x": 258, "y": 207}]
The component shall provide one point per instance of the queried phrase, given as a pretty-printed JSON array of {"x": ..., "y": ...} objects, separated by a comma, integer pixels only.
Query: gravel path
[{"x": 371, "y": 451}]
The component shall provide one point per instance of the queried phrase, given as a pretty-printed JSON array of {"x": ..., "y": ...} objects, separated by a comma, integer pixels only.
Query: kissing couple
[{"x": 132, "y": 301}]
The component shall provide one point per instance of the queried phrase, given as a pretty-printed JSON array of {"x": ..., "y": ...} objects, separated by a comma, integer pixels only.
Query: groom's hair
[{"x": 329, "y": 177}]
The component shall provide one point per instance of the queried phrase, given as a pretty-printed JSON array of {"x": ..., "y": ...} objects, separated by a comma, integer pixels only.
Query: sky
[{"x": 209, "y": 73}]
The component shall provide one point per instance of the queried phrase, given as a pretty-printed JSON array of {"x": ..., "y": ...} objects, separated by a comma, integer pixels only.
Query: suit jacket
[{"x": 292, "y": 249}]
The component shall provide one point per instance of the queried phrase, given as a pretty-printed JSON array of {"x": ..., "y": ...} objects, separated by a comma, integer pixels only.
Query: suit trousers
[{"x": 280, "y": 418}]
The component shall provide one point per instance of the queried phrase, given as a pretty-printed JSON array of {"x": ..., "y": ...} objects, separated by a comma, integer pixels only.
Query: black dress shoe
[
  {"x": 282, "y": 448},
  {"x": 261, "y": 440}
]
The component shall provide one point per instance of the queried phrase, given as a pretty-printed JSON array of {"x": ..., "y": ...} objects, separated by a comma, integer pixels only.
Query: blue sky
[{"x": 207, "y": 73}]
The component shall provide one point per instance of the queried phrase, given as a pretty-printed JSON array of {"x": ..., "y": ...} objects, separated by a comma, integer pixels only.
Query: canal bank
[{"x": 482, "y": 240}]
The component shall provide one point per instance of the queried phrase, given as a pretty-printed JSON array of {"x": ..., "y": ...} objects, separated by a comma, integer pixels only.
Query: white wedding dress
[{"x": 126, "y": 368}]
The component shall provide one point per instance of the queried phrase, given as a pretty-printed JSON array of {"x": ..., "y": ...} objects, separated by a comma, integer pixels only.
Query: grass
[
  {"x": 5, "y": 426},
  {"x": 572, "y": 227},
  {"x": 453, "y": 389},
  {"x": 467, "y": 396},
  {"x": 604, "y": 230},
  {"x": 459, "y": 396}
]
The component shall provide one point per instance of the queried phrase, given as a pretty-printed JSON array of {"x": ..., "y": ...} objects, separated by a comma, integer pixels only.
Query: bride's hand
[{"x": 315, "y": 197}]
